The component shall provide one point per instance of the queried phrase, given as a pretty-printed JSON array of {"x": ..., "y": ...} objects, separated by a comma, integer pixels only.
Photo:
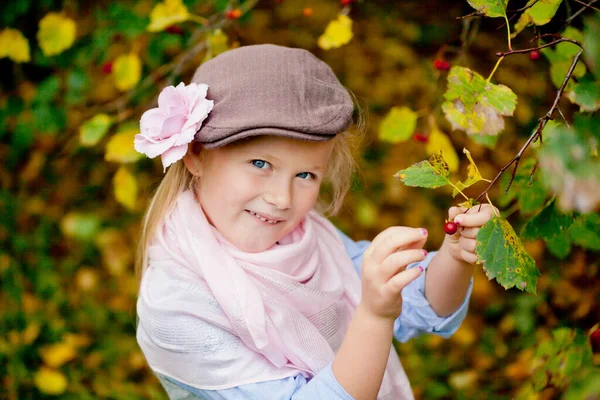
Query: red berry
[
  {"x": 174, "y": 29},
  {"x": 107, "y": 67},
  {"x": 441, "y": 65},
  {"x": 307, "y": 12},
  {"x": 595, "y": 340},
  {"x": 345, "y": 2},
  {"x": 421, "y": 137},
  {"x": 451, "y": 227},
  {"x": 534, "y": 55},
  {"x": 234, "y": 14}
]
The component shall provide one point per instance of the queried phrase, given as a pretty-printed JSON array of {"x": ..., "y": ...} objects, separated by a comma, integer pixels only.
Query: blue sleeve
[
  {"x": 323, "y": 386},
  {"x": 417, "y": 316}
]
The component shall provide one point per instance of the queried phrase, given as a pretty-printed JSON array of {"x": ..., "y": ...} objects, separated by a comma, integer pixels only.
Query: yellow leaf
[
  {"x": 167, "y": 13},
  {"x": 31, "y": 332},
  {"x": 473, "y": 175},
  {"x": 125, "y": 187},
  {"x": 438, "y": 140},
  {"x": 216, "y": 44},
  {"x": 117, "y": 254},
  {"x": 14, "y": 46},
  {"x": 56, "y": 33},
  {"x": 127, "y": 71},
  {"x": 337, "y": 33},
  {"x": 57, "y": 354},
  {"x": 120, "y": 146},
  {"x": 50, "y": 381}
]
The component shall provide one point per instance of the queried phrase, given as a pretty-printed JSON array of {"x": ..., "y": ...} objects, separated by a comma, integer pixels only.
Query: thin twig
[
  {"x": 582, "y": 9},
  {"x": 523, "y": 8},
  {"x": 538, "y": 131},
  {"x": 532, "y": 172},
  {"x": 588, "y": 5},
  {"x": 562, "y": 39},
  {"x": 473, "y": 14},
  {"x": 564, "y": 119}
]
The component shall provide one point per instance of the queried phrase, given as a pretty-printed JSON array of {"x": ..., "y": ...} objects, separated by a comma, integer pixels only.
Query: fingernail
[
  {"x": 420, "y": 268},
  {"x": 425, "y": 253},
  {"x": 424, "y": 231},
  {"x": 457, "y": 220}
]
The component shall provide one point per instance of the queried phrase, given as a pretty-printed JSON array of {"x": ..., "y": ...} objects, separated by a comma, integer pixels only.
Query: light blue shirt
[{"x": 417, "y": 317}]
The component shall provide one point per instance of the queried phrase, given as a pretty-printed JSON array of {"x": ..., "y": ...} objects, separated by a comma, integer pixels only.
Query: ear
[{"x": 192, "y": 159}]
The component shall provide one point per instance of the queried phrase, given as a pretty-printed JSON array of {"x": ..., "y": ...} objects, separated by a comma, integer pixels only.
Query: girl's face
[{"x": 256, "y": 191}]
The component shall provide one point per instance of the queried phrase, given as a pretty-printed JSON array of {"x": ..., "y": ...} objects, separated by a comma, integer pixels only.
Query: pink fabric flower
[{"x": 167, "y": 129}]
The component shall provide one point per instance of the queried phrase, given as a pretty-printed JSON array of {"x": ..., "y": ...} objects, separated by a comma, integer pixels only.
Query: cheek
[{"x": 307, "y": 198}]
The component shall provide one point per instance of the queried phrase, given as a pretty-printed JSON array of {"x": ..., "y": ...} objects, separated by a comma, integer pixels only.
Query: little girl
[{"x": 247, "y": 292}]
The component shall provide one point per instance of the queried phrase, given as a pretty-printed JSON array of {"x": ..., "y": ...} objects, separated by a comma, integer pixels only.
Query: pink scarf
[{"x": 214, "y": 317}]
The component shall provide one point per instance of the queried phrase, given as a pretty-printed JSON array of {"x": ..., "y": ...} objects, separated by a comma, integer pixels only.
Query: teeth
[{"x": 262, "y": 218}]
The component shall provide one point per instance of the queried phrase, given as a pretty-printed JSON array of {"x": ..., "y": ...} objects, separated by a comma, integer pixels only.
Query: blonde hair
[{"x": 336, "y": 182}]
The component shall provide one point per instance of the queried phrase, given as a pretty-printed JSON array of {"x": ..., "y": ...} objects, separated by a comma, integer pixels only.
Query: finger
[
  {"x": 454, "y": 211},
  {"x": 398, "y": 240},
  {"x": 468, "y": 244},
  {"x": 470, "y": 233},
  {"x": 397, "y": 261},
  {"x": 475, "y": 219},
  {"x": 391, "y": 231},
  {"x": 403, "y": 278},
  {"x": 468, "y": 257}
]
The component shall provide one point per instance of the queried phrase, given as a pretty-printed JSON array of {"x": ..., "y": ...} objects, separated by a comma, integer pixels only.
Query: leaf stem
[
  {"x": 508, "y": 32},
  {"x": 494, "y": 70},
  {"x": 459, "y": 191},
  {"x": 496, "y": 213}
]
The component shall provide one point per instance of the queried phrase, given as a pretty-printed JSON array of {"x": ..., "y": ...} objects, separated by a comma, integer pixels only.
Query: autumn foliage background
[{"x": 73, "y": 191}]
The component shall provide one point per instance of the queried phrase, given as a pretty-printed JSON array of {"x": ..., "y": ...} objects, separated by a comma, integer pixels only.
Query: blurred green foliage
[{"x": 68, "y": 290}]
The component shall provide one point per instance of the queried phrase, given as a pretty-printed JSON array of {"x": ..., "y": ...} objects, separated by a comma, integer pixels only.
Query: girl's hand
[
  {"x": 462, "y": 244},
  {"x": 383, "y": 269}
]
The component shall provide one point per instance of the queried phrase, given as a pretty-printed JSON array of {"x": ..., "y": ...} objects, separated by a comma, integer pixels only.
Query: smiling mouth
[{"x": 263, "y": 218}]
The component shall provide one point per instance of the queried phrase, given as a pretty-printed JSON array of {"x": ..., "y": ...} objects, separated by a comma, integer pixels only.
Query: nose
[{"x": 279, "y": 194}]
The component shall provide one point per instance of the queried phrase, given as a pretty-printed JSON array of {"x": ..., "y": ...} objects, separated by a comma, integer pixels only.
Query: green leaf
[
  {"x": 47, "y": 90},
  {"x": 586, "y": 94},
  {"x": 490, "y": 8},
  {"x": 398, "y": 125},
  {"x": 94, "y": 129},
  {"x": 430, "y": 174},
  {"x": 585, "y": 231},
  {"x": 81, "y": 226},
  {"x": 539, "y": 14},
  {"x": 552, "y": 226},
  {"x": 529, "y": 192},
  {"x": 591, "y": 43},
  {"x": 474, "y": 105},
  {"x": 504, "y": 257},
  {"x": 560, "y": 246},
  {"x": 49, "y": 119},
  {"x": 561, "y": 359},
  {"x": 78, "y": 83},
  {"x": 561, "y": 57},
  {"x": 547, "y": 224},
  {"x": 485, "y": 140}
]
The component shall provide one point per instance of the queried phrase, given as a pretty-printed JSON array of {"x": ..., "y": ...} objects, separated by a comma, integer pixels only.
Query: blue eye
[
  {"x": 260, "y": 164},
  {"x": 305, "y": 175}
]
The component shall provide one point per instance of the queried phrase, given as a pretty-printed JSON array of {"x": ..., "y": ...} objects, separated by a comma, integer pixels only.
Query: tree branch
[
  {"x": 538, "y": 131},
  {"x": 562, "y": 39}
]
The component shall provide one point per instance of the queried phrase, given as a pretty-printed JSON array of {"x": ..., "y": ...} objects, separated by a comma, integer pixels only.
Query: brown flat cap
[{"x": 271, "y": 90}]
